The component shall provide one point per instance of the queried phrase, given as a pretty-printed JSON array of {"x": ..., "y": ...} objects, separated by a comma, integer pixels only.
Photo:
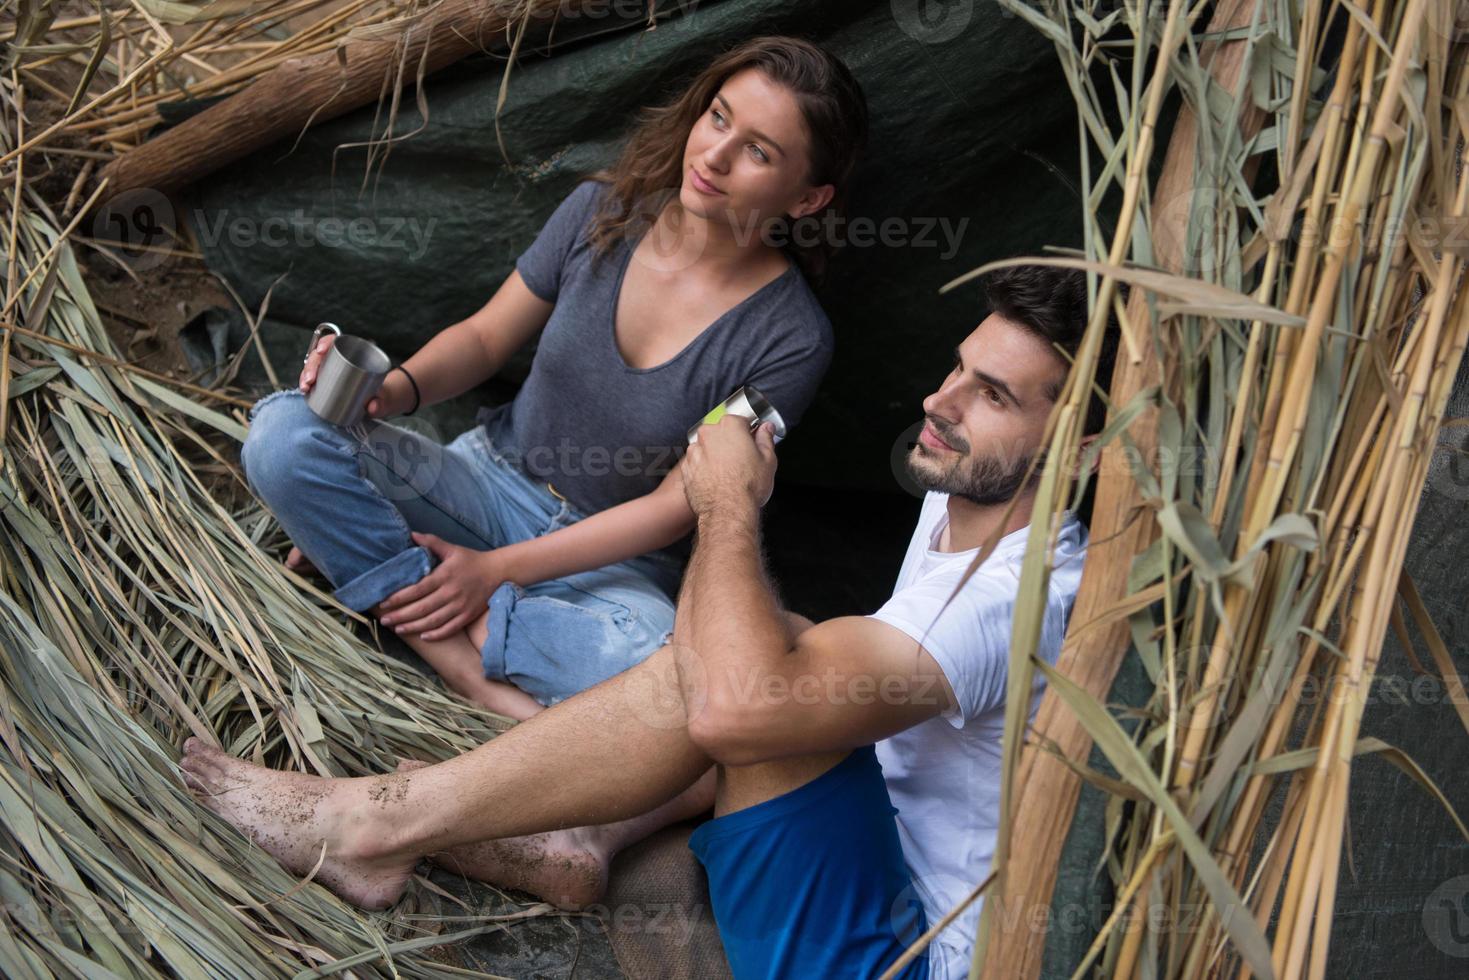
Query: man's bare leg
[
  {"x": 740, "y": 787},
  {"x": 568, "y": 868},
  {"x": 618, "y": 751}
]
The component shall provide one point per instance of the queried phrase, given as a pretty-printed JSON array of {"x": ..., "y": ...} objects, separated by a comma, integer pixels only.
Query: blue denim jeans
[{"x": 348, "y": 497}]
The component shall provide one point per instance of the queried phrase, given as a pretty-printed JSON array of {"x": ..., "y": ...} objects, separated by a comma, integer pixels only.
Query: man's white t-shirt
[{"x": 944, "y": 775}]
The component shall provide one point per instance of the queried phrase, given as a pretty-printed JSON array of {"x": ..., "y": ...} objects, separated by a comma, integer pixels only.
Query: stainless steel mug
[
  {"x": 749, "y": 403},
  {"x": 350, "y": 373}
]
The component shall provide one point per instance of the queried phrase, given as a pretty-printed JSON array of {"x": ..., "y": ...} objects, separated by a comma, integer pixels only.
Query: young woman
[{"x": 657, "y": 288}]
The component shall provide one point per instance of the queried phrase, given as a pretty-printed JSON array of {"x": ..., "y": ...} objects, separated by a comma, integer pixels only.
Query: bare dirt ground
[{"x": 144, "y": 299}]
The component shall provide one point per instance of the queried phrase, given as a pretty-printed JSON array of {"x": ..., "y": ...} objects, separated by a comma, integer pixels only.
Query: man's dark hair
[{"x": 1051, "y": 303}]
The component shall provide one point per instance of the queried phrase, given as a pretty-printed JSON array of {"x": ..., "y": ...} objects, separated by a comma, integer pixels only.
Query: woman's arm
[
  {"x": 638, "y": 526},
  {"x": 451, "y": 596},
  {"x": 462, "y": 355}
]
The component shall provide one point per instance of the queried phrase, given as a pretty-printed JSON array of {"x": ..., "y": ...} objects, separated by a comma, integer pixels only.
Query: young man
[{"x": 809, "y": 872}]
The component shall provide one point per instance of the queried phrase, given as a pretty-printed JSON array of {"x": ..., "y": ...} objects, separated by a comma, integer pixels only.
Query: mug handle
[{"x": 321, "y": 328}]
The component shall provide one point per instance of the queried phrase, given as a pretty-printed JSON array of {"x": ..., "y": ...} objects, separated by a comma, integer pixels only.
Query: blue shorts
[{"x": 813, "y": 883}]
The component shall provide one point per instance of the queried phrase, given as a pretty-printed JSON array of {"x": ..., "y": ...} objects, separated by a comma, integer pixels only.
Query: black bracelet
[{"x": 416, "y": 398}]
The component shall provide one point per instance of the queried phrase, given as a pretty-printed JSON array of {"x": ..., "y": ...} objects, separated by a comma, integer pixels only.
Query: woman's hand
[
  {"x": 450, "y": 597},
  {"x": 391, "y": 398}
]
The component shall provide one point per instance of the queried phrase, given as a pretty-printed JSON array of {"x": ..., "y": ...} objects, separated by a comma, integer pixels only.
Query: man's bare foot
[
  {"x": 567, "y": 868},
  {"x": 293, "y": 816}
]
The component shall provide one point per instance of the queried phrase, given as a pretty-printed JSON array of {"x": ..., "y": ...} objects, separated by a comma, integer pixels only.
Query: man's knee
[{"x": 666, "y": 689}]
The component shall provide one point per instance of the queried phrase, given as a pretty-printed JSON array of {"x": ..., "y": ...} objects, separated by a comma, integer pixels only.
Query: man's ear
[
  {"x": 815, "y": 199},
  {"x": 1081, "y": 464}
]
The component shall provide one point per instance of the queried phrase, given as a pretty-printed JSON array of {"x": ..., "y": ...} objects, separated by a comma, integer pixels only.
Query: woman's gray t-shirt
[{"x": 601, "y": 432}]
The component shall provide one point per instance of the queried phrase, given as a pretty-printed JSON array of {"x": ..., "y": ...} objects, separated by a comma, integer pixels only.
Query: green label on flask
[{"x": 715, "y": 414}]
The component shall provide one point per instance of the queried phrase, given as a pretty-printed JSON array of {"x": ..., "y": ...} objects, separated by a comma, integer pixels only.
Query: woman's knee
[{"x": 276, "y": 441}]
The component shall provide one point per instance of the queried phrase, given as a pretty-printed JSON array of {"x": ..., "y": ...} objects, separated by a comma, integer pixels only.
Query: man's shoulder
[
  {"x": 994, "y": 584},
  {"x": 945, "y": 597}
]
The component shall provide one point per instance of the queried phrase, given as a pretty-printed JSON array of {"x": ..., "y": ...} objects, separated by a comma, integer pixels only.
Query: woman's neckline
[{"x": 625, "y": 261}]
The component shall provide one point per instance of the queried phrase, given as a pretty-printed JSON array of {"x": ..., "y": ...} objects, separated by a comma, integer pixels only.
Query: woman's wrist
[
  {"x": 507, "y": 564},
  {"x": 413, "y": 385},
  {"x": 397, "y": 394}
]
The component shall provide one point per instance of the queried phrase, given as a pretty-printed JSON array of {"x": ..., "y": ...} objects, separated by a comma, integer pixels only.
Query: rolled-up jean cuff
[
  {"x": 376, "y": 584},
  {"x": 497, "y": 630}
]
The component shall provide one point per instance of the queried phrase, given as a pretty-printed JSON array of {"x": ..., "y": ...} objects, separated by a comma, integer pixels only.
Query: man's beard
[{"x": 983, "y": 480}]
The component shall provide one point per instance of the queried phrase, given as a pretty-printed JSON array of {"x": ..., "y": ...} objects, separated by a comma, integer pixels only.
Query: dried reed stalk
[{"x": 1298, "y": 335}]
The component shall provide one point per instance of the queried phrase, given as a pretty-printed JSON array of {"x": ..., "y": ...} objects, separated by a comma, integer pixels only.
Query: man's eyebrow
[
  {"x": 754, "y": 132},
  {"x": 988, "y": 379},
  {"x": 998, "y": 385}
]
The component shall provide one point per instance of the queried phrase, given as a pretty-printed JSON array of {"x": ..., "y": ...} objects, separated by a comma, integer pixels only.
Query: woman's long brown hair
[{"x": 650, "y": 170}]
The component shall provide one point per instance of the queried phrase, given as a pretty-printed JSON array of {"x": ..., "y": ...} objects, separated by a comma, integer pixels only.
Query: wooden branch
[
  {"x": 312, "y": 89},
  {"x": 1120, "y": 530}
]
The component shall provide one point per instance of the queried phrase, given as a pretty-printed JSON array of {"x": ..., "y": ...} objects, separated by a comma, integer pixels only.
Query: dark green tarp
[{"x": 971, "y": 141}]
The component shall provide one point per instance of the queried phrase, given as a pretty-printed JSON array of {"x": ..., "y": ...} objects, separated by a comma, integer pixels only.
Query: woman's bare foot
[
  {"x": 567, "y": 868},
  {"x": 301, "y": 565},
  {"x": 294, "y": 816}
]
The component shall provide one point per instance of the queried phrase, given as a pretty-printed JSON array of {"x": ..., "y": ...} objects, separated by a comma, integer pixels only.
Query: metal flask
[
  {"x": 749, "y": 403},
  {"x": 350, "y": 373}
]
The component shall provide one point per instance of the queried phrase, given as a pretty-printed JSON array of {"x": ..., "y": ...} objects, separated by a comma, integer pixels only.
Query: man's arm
[{"x": 753, "y": 693}]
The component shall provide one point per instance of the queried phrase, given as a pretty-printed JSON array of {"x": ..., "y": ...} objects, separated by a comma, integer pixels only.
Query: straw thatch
[
  {"x": 139, "y": 607},
  {"x": 142, "y": 598}
]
